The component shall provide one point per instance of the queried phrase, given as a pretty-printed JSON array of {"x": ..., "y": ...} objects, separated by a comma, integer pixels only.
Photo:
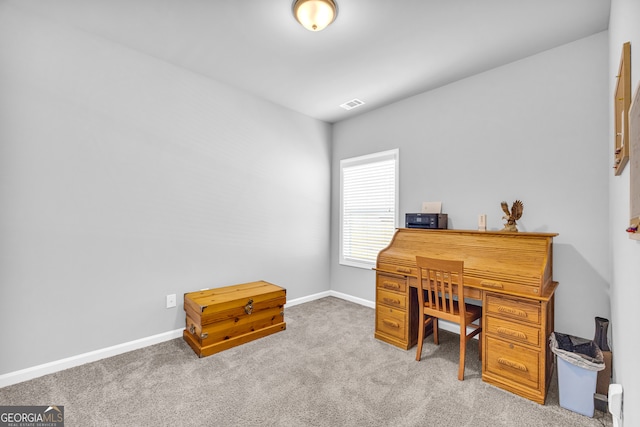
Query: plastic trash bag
[{"x": 577, "y": 351}]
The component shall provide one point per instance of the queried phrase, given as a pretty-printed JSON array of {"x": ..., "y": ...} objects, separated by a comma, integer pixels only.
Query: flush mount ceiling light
[{"x": 315, "y": 15}]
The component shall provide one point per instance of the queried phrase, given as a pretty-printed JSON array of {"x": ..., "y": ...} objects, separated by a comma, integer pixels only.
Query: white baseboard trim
[
  {"x": 366, "y": 303},
  {"x": 92, "y": 356},
  {"x": 80, "y": 359},
  {"x": 308, "y": 298},
  {"x": 340, "y": 295}
]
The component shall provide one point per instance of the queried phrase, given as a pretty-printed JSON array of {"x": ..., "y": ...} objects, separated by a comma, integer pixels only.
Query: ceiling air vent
[{"x": 350, "y": 105}]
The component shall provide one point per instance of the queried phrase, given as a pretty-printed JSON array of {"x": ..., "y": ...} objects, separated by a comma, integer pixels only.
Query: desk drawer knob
[
  {"x": 492, "y": 285},
  {"x": 391, "y": 301},
  {"x": 512, "y": 311},
  {"x": 391, "y": 324},
  {"x": 512, "y": 364},
  {"x": 390, "y": 285},
  {"x": 511, "y": 333}
]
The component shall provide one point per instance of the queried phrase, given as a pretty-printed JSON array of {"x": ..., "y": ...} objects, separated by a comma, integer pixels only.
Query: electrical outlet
[{"x": 171, "y": 300}]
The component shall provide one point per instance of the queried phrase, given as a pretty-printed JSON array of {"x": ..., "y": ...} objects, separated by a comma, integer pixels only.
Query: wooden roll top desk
[{"x": 511, "y": 273}]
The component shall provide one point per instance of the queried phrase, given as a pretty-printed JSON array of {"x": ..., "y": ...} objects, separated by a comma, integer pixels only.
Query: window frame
[{"x": 372, "y": 158}]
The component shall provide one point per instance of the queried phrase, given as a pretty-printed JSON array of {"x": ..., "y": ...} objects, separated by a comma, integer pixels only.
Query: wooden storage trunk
[{"x": 221, "y": 318}]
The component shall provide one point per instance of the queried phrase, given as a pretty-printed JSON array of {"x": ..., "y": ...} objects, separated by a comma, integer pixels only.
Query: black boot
[{"x": 600, "y": 338}]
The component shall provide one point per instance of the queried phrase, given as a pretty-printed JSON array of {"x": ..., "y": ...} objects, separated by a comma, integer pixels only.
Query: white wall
[
  {"x": 533, "y": 130},
  {"x": 625, "y": 253},
  {"x": 124, "y": 179}
]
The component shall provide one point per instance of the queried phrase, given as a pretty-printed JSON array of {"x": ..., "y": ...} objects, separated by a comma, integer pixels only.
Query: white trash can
[{"x": 579, "y": 361}]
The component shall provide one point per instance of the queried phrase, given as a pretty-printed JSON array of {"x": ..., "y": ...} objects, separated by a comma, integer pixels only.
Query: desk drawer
[
  {"x": 523, "y": 310},
  {"x": 398, "y": 269},
  {"x": 503, "y": 286},
  {"x": 512, "y": 331},
  {"x": 513, "y": 362},
  {"x": 392, "y": 283},
  {"x": 392, "y": 299},
  {"x": 391, "y": 322}
]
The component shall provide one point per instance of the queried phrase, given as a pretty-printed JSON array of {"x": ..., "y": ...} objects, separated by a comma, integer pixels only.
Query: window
[{"x": 368, "y": 206}]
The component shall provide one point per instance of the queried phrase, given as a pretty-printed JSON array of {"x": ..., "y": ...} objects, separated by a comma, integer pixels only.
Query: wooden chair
[{"x": 441, "y": 296}]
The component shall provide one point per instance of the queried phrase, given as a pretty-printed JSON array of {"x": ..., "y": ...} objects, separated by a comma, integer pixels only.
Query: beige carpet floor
[{"x": 326, "y": 369}]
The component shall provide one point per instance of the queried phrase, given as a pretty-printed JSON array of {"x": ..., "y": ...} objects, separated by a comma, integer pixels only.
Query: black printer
[{"x": 426, "y": 220}]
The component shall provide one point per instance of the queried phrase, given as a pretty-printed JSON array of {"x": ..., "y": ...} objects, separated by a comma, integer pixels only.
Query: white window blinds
[{"x": 369, "y": 200}]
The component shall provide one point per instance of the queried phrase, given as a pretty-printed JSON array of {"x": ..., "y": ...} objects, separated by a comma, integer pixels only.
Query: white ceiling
[{"x": 378, "y": 51}]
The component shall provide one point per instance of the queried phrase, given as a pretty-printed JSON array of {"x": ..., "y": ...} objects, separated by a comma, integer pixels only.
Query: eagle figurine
[{"x": 513, "y": 216}]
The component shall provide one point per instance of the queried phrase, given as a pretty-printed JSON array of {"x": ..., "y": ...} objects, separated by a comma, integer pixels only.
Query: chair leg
[
  {"x": 463, "y": 350},
  {"x": 436, "y": 340},
  {"x": 480, "y": 346},
  {"x": 420, "y": 336}
]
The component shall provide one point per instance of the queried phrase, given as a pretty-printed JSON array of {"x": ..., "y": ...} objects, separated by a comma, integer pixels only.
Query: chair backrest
[{"x": 442, "y": 284}]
